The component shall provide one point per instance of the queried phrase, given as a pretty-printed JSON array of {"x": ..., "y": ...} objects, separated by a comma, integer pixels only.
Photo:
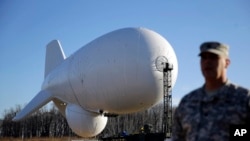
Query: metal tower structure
[{"x": 167, "y": 100}]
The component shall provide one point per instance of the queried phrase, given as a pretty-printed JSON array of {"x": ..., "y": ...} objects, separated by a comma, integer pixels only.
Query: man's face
[{"x": 213, "y": 66}]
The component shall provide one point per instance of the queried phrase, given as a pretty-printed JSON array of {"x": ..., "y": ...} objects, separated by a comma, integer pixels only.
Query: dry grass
[{"x": 45, "y": 139}]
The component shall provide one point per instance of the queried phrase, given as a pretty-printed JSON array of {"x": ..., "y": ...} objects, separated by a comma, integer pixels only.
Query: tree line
[
  {"x": 48, "y": 122},
  {"x": 43, "y": 123}
]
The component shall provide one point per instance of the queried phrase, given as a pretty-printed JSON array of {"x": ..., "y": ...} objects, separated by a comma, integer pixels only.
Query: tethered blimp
[{"x": 114, "y": 74}]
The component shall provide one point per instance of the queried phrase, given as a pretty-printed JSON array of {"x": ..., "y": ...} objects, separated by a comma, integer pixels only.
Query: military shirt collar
[{"x": 221, "y": 93}]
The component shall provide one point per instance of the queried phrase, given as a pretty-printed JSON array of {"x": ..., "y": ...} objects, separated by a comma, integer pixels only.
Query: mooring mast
[
  {"x": 164, "y": 66},
  {"x": 167, "y": 100}
]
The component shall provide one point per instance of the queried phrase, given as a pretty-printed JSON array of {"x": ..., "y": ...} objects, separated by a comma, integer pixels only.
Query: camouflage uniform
[{"x": 206, "y": 117}]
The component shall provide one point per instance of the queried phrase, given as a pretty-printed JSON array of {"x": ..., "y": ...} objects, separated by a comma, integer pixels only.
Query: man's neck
[{"x": 213, "y": 85}]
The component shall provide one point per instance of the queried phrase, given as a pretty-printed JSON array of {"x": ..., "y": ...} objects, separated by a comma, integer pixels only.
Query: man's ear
[{"x": 228, "y": 62}]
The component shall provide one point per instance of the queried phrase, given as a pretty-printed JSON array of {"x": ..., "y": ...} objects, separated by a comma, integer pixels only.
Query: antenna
[{"x": 160, "y": 63}]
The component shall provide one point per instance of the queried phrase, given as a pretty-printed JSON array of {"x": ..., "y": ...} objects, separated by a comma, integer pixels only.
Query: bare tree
[{"x": 50, "y": 123}]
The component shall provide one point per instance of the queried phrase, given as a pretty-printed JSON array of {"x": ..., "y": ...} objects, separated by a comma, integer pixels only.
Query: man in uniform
[{"x": 208, "y": 112}]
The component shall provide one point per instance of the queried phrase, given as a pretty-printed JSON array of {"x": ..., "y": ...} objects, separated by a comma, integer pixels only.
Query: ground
[{"x": 45, "y": 139}]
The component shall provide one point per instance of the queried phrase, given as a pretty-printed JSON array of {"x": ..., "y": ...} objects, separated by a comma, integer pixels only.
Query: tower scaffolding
[{"x": 167, "y": 100}]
